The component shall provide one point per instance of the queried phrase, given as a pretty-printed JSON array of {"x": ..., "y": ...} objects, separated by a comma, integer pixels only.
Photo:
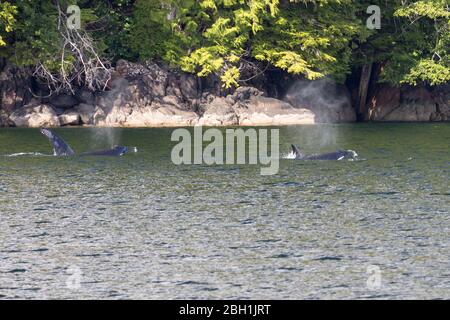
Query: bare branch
[{"x": 79, "y": 62}]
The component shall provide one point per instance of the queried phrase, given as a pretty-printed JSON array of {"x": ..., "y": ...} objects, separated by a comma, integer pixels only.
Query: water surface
[{"x": 141, "y": 227}]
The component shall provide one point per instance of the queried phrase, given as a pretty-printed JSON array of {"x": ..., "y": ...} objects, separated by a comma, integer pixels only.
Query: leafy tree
[
  {"x": 7, "y": 20},
  {"x": 310, "y": 38},
  {"x": 413, "y": 43},
  {"x": 430, "y": 20},
  {"x": 232, "y": 38},
  {"x": 112, "y": 28},
  {"x": 238, "y": 39},
  {"x": 166, "y": 29},
  {"x": 61, "y": 57}
]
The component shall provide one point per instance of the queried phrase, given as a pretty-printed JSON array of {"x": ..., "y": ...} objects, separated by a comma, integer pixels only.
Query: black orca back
[
  {"x": 298, "y": 154},
  {"x": 60, "y": 147},
  {"x": 114, "y": 152}
]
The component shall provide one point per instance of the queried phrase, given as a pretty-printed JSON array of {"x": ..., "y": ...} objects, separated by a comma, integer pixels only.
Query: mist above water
[
  {"x": 104, "y": 137},
  {"x": 328, "y": 101},
  {"x": 107, "y": 136},
  {"x": 325, "y": 98}
]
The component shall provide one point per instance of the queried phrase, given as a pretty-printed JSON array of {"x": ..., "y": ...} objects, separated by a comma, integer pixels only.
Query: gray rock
[
  {"x": 411, "y": 112},
  {"x": 172, "y": 100},
  {"x": 403, "y": 105},
  {"x": 436, "y": 117},
  {"x": 69, "y": 118},
  {"x": 59, "y": 111},
  {"x": 385, "y": 100},
  {"x": 261, "y": 111},
  {"x": 64, "y": 101},
  {"x": 133, "y": 105},
  {"x": 156, "y": 115},
  {"x": 189, "y": 86},
  {"x": 250, "y": 108},
  {"x": 15, "y": 84},
  {"x": 219, "y": 112},
  {"x": 85, "y": 96},
  {"x": 245, "y": 93},
  {"x": 35, "y": 116},
  {"x": 159, "y": 81},
  {"x": 4, "y": 119},
  {"x": 86, "y": 112},
  {"x": 441, "y": 96},
  {"x": 154, "y": 76}
]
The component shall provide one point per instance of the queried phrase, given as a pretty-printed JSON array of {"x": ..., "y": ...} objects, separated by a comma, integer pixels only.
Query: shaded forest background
[{"x": 237, "y": 41}]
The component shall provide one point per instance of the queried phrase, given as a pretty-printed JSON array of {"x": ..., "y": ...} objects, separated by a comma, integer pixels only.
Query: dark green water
[{"x": 140, "y": 227}]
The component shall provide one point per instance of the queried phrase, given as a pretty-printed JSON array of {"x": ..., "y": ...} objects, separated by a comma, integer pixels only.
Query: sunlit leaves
[
  {"x": 233, "y": 38},
  {"x": 301, "y": 37},
  {"x": 427, "y": 71},
  {"x": 7, "y": 19},
  {"x": 230, "y": 77},
  {"x": 432, "y": 9}
]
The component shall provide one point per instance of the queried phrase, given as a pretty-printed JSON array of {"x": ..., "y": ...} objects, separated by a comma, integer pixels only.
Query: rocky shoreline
[{"x": 151, "y": 95}]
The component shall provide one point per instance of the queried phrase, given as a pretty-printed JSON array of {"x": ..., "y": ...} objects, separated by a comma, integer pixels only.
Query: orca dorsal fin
[
  {"x": 60, "y": 147},
  {"x": 298, "y": 154}
]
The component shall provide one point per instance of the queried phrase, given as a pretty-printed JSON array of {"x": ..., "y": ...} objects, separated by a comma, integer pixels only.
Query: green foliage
[
  {"x": 36, "y": 35},
  {"x": 7, "y": 20},
  {"x": 35, "y": 39},
  {"x": 229, "y": 77},
  {"x": 112, "y": 27},
  {"x": 309, "y": 38},
  {"x": 235, "y": 39},
  {"x": 433, "y": 9},
  {"x": 165, "y": 29},
  {"x": 413, "y": 43},
  {"x": 431, "y": 23},
  {"x": 428, "y": 71}
]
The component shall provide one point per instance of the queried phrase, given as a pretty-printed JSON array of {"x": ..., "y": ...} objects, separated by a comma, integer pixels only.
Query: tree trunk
[{"x": 364, "y": 82}]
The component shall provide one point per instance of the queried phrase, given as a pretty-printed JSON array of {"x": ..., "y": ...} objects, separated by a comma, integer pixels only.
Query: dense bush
[{"x": 239, "y": 39}]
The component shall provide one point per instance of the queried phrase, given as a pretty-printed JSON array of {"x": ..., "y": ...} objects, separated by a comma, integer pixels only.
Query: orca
[
  {"x": 337, "y": 155},
  {"x": 61, "y": 148}
]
